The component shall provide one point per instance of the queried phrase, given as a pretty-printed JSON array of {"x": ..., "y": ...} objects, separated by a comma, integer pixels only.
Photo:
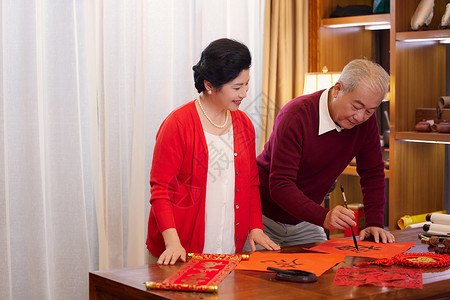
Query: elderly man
[{"x": 314, "y": 138}]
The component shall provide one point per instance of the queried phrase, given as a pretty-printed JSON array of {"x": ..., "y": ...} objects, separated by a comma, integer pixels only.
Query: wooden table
[{"x": 128, "y": 283}]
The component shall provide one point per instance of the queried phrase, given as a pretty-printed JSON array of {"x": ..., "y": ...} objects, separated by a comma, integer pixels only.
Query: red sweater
[
  {"x": 178, "y": 180},
  {"x": 298, "y": 167}
]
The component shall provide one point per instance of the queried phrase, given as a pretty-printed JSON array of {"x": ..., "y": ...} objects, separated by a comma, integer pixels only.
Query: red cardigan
[{"x": 178, "y": 180}]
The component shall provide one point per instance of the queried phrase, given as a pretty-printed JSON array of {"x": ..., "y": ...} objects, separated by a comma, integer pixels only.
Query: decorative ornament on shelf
[
  {"x": 423, "y": 15},
  {"x": 445, "y": 21},
  {"x": 423, "y": 126},
  {"x": 442, "y": 127}
]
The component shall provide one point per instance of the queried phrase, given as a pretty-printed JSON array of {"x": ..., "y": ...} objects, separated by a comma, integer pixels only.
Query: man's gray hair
[{"x": 367, "y": 72}]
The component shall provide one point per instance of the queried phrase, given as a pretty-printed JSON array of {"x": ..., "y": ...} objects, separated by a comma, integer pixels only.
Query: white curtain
[{"x": 84, "y": 86}]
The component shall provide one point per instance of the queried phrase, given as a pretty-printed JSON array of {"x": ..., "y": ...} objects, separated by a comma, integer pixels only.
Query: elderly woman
[{"x": 204, "y": 180}]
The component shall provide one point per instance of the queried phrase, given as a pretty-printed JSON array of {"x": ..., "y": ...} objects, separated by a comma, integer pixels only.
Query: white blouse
[{"x": 219, "y": 216}]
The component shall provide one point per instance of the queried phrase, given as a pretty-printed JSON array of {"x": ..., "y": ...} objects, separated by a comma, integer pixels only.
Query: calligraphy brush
[{"x": 353, "y": 233}]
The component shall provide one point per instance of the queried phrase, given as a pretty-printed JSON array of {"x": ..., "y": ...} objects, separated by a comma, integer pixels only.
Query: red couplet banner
[{"x": 366, "y": 248}]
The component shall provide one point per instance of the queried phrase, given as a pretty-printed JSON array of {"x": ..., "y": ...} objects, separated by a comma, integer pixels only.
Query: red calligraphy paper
[
  {"x": 312, "y": 262},
  {"x": 202, "y": 273},
  {"x": 366, "y": 248},
  {"x": 205, "y": 269},
  {"x": 403, "y": 278}
]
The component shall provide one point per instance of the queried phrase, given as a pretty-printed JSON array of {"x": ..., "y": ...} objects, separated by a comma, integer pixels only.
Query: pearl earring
[{"x": 209, "y": 92}]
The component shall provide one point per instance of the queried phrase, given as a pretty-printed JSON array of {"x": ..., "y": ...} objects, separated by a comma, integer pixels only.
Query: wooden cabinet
[
  {"x": 418, "y": 64},
  {"x": 416, "y": 61}
]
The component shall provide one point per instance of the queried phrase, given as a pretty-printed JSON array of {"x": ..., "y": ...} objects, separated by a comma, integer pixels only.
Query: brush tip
[{"x": 342, "y": 188}]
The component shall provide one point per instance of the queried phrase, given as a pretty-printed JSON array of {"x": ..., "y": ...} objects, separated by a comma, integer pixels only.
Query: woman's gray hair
[{"x": 367, "y": 72}]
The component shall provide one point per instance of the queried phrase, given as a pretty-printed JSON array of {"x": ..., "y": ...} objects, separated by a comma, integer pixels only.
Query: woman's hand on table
[
  {"x": 174, "y": 249},
  {"x": 378, "y": 234},
  {"x": 257, "y": 236}
]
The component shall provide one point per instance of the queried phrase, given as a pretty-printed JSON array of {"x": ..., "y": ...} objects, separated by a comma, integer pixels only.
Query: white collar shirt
[{"x": 326, "y": 123}]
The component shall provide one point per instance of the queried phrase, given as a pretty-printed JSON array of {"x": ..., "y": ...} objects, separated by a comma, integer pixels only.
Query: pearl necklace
[{"x": 210, "y": 121}]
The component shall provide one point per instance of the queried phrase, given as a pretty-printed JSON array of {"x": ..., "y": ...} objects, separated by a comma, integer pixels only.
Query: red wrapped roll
[
  {"x": 181, "y": 287},
  {"x": 202, "y": 273}
]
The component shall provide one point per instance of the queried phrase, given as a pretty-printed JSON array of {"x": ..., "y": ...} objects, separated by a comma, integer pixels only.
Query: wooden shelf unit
[
  {"x": 430, "y": 137},
  {"x": 356, "y": 21},
  {"x": 417, "y": 65},
  {"x": 420, "y": 36},
  {"x": 417, "y": 80}
]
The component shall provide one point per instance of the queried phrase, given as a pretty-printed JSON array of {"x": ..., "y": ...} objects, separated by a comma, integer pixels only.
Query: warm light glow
[
  {"x": 425, "y": 141},
  {"x": 319, "y": 81},
  {"x": 358, "y": 24},
  {"x": 424, "y": 40},
  {"x": 378, "y": 27}
]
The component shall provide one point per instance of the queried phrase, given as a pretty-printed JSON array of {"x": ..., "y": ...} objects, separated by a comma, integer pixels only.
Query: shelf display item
[
  {"x": 351, "y": 10},
  {"x": 423, "y": 126},
  {"x": 381, "y": 6},
  {"x": 442, "y": 127},
  {"x": 445, "y": 21},
  {"x": 444, "y": 101},
  {"x": 423, "y": 15}
]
